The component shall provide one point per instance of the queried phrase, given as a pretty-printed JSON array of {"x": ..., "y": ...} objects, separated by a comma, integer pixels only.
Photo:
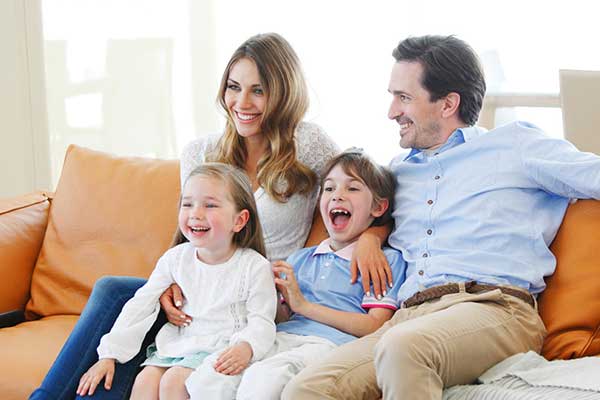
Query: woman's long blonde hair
[
  {"x": 279, "y": 171},
  {"x": 239, "y": 191}
]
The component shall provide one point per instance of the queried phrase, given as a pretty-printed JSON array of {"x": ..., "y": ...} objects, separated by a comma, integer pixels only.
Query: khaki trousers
[{"x": 425, "y": 348}]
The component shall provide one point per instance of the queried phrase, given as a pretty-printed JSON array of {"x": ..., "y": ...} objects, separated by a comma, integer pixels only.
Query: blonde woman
[{"x": 264, "y": 96}]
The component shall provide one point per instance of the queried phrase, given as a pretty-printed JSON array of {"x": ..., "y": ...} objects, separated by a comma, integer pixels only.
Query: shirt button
[
  {"x": 436, "y": 177},
  {"x": 421, "y": 272},
  {"x": 429, "y": 231},
  {"x": 430, "y": 202},
  {"x": 322, "y": 276},
  {"x": 425, "y": 255},
  {"x": 327, "y": 264}
]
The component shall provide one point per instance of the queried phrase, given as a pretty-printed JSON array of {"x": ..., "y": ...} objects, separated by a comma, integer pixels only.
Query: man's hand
[
  {"x": 288, "y": 286},
  {"x": 103, "y": 369},
  {"x": 171, "y": 302},
  {"x": 234, "y": 359},
  {"x": 373, "y": 265}
]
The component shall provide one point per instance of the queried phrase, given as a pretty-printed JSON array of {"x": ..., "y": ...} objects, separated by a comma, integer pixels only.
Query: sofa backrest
[
  {"x": 110, "y": 216},
  {"x": 570, "y": 305},
  {"x": 116, "y": 216}
]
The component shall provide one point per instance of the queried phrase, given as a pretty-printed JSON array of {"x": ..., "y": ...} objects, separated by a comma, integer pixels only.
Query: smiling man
[{"x": 475, "y": 212}]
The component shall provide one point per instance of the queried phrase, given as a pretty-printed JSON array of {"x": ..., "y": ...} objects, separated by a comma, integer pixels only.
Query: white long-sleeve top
[
  {"x": 314, "y": 149},
  {"x": 229, "y": 303}
]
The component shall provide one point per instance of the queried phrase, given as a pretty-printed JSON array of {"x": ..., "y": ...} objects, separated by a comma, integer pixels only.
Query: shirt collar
[
  {"x": 459, "y": 136},
  {"x": 345, "y": 253},
  {"x": 472, "y": 132}
]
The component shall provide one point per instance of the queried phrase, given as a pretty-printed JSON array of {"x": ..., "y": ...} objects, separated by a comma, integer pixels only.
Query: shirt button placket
[{"x": 327, "y": 264}]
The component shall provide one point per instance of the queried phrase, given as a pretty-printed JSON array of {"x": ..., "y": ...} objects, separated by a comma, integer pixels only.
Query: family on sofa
[{"x": 474, "y": 213}]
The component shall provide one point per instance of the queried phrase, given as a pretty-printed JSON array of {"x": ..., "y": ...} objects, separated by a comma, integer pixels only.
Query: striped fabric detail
[
  {"x": 514, "y": 388},
  {"x": 386, "y": 302}
]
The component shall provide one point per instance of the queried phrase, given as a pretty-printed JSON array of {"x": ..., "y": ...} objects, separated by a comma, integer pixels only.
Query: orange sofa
[{"x": 115, "y": 216}]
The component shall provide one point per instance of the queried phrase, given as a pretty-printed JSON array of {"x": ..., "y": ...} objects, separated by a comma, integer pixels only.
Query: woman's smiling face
[{"x": 245, "y": 97}]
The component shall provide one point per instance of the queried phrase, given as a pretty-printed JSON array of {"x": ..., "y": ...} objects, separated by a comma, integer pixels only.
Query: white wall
[{"x": 24, "y": 158}]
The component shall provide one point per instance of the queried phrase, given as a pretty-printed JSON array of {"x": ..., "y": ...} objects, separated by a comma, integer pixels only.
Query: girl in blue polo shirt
[{"x": 321, "y": 308}]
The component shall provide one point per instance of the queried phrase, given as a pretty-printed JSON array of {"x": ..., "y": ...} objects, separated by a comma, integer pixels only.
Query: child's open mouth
[
  {"x": 199, "y": 229},
  {"x": 339, "y": 218}
]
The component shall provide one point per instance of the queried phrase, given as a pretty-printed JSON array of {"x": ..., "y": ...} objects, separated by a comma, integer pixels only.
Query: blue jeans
[{"x": 79, "y": 352}]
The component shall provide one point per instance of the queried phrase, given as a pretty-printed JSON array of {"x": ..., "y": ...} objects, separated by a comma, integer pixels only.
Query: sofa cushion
[
  {"x": 570, "y": 305},
  {"x": 28, "y": 350},
  {"x": 110, "y": 216},
  {"x": 22, "y": 225}
]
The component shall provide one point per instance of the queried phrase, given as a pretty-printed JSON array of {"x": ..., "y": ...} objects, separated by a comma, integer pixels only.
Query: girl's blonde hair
[
  {"x": 239, "y": 191},
  {"x": 279, "y": 171}
]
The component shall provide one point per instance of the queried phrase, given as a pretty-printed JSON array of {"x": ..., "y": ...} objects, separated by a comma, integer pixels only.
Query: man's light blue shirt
[
  {"x": 324, "y": 278},
  {"x": 486, "y": 206}
]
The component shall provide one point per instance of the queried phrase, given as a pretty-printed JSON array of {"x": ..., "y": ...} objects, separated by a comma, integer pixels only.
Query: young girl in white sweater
[{"x": 228, "y": 284}]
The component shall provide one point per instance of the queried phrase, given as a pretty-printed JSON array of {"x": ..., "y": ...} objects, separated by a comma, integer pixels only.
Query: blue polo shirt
[{"x": 324, "y": 278}]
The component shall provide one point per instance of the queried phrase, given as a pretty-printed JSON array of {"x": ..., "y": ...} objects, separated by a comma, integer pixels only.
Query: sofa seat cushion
[
  {"x": 28, "y": 350},
  {"x": 570, "y": 305},
  {"x": 109, "y": 216}
]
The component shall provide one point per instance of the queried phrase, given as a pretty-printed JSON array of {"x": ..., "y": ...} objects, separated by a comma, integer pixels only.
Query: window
[{"x": 140, "y": 77}]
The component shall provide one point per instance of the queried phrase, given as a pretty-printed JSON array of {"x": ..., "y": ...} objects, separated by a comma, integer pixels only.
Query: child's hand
[
  {"x": 104, "y": 368},
  {"x": 289, "y": 286},
  {"x": 234, "y": 359},
  {"x": 171, "y": 302}
]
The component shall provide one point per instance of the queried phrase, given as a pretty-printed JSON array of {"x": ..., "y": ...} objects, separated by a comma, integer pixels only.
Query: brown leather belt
[{"x": 436, "y": 292}]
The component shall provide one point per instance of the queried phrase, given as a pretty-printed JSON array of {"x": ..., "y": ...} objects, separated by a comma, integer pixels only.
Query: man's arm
[
  {"x": 557, "y": 167},
  {"x": 369, "y": 259}
]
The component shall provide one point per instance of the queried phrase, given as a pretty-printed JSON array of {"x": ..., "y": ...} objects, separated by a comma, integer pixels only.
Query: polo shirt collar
[{"x": 325, "y": 248}]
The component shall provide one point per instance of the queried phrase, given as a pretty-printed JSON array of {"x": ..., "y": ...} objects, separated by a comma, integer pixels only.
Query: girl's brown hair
[
  {"x": 380, "y": 180},
  {"x": 239, "y": 191},
  {"x": 279, "y": 171}
]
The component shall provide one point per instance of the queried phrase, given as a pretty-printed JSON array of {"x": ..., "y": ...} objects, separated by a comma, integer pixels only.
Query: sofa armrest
[{"x": 23, "y": 223}]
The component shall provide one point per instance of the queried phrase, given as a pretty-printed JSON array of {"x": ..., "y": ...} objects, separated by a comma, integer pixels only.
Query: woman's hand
[
  {"x": 372, "y": 263},
  {"x": 171, "y": 302},
  {"x": 103, "y": 369},
  {"x": 234, "y": 359},
  {"x": 288, "y": 287}
]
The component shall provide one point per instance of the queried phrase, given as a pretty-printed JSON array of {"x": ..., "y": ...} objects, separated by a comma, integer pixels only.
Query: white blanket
[{"x": 529, "y": 376}]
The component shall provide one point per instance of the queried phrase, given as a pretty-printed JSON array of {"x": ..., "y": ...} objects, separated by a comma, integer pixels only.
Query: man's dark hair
[{"x": 449, "y": 65}]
